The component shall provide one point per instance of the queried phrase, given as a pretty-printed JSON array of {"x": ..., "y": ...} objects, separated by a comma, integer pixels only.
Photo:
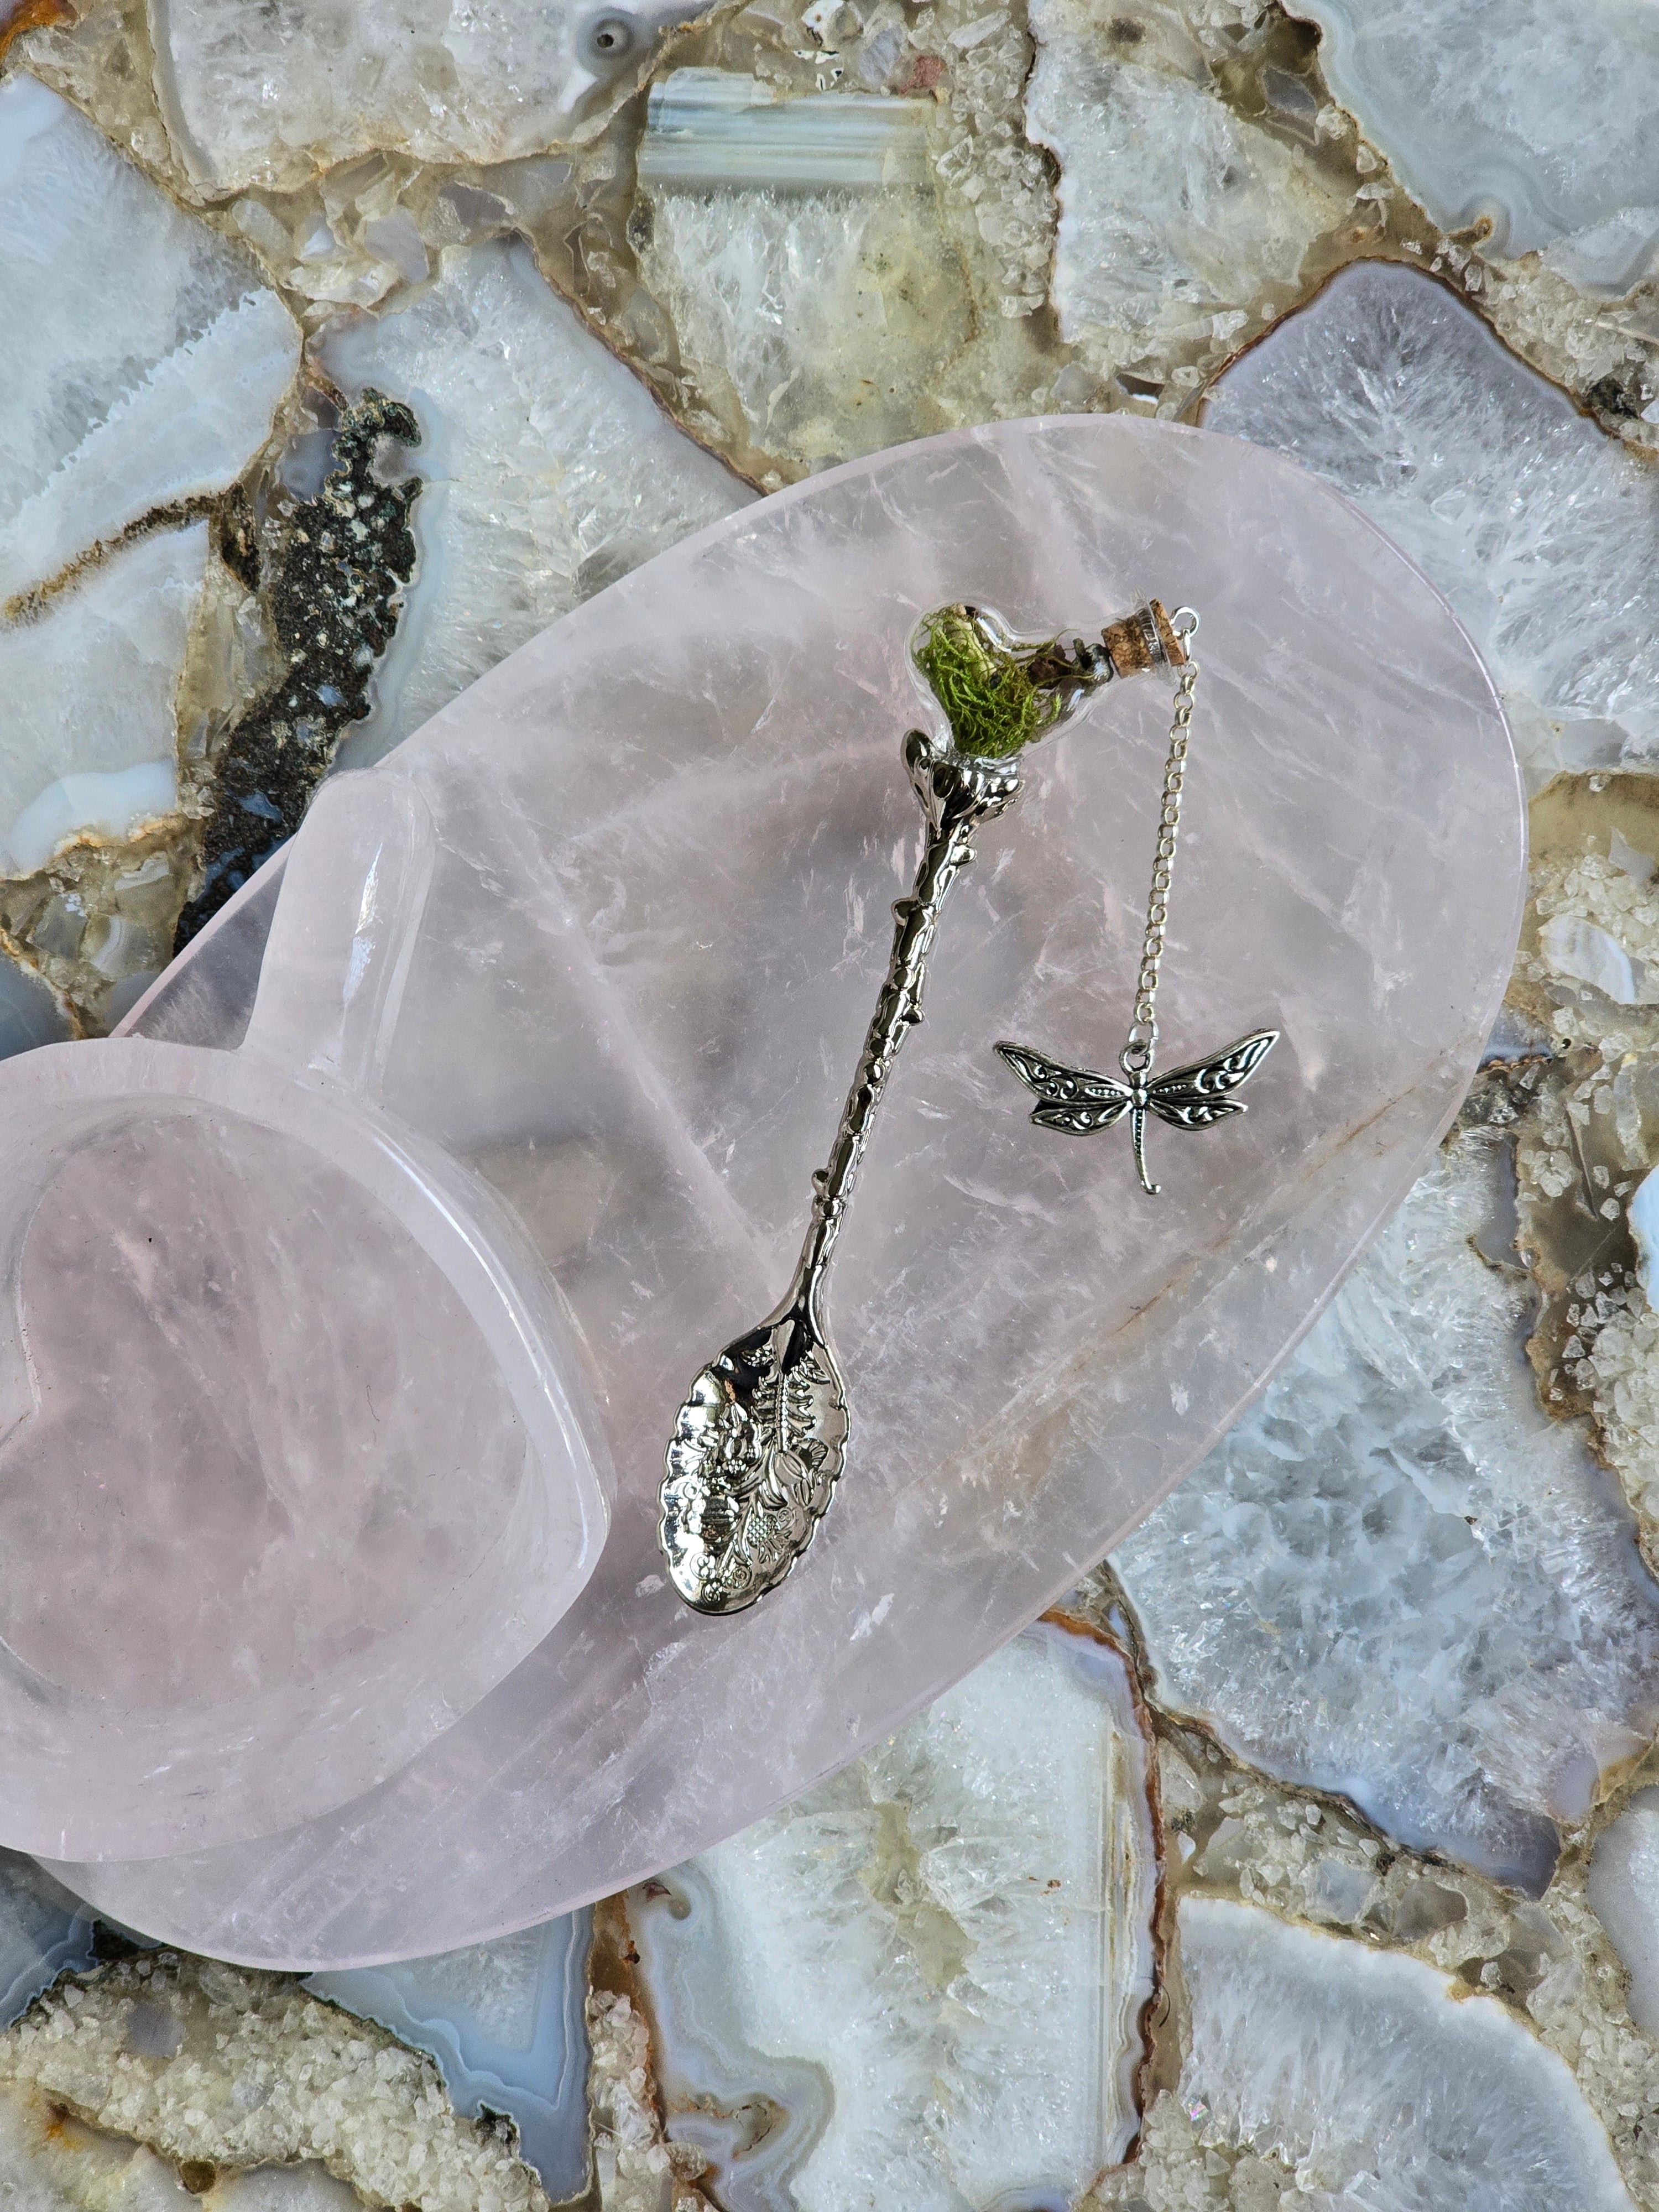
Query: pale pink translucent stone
[
  {"x": 294, "y": 1463},
  {"x": 670, "y": 828}
]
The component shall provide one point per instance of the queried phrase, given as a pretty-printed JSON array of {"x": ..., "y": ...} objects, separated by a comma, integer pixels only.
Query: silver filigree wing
[
  {"x": 1197, "y": 1096},
  {"x": 1075, "y": 1099}
]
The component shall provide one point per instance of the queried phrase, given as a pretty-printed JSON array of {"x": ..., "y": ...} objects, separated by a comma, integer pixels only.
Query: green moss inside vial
[{"x": 990, "y": 699}]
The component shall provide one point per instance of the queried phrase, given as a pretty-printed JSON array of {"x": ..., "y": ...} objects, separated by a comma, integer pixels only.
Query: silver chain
[{"x": 1136, "y": 1058}]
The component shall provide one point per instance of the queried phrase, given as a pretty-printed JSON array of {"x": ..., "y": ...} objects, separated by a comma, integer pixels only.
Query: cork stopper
[{"x": 1143, "y": 639}]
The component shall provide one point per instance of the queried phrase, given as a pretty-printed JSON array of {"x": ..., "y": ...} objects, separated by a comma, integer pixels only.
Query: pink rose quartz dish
[
  {"x": 667, "y": 833},
  {"x": 296, "y": 1459}
]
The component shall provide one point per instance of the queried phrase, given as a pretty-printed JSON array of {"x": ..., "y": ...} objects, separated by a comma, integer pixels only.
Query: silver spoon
[{"x": 761, "y": 1439}]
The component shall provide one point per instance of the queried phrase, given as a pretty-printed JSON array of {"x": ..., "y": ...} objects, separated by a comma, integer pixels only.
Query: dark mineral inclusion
[{"x": 345, "y": 557}]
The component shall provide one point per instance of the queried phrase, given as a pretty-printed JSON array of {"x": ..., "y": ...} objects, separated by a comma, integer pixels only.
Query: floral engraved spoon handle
[
  {"x": 761, "y": 1437},
  {"x": 760, "y": 1441}
]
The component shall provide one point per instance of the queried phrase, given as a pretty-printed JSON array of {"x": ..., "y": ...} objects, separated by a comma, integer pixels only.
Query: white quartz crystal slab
[
  {"x": 550, "y": 472},
  {"x": 1360, "y": 2078},
  {"x": 1538, "y": 119},
  {"x": 971, "y": 1903},
  {"x": 1542, "y": 532},
  {"x": 1623, "y": 1886},
  {"x": 142, "y": 358},
  {"x": 71, "y": 760},
  {"x": 257, "y": 94},
  {"x": 1175, "y": 214},
  {"x": 670, "y": 828},
  {"x": 1400, "y": 1579}
]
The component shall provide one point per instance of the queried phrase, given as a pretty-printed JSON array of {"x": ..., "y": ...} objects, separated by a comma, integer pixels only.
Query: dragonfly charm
[{"x": 1197, "y": 1096}]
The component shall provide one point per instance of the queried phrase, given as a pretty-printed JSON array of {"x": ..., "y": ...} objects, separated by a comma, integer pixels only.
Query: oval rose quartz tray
[{"x": 668, "y": 834}]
